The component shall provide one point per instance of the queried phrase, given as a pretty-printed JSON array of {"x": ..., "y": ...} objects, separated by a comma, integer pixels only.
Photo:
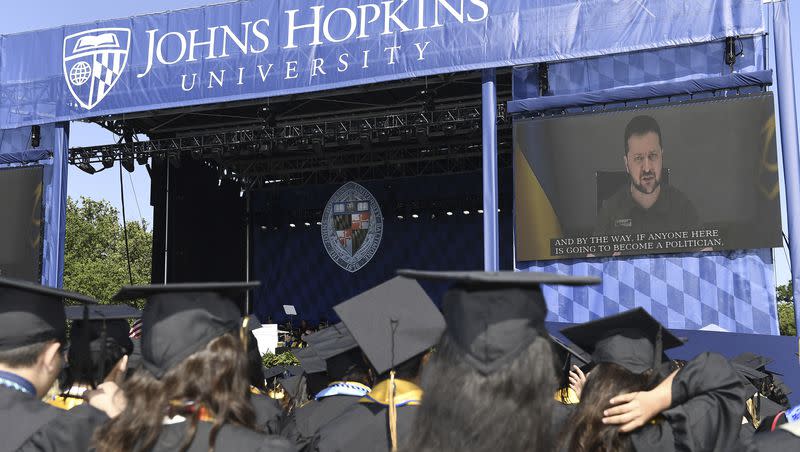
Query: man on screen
[{"x": 645, "y": 205}]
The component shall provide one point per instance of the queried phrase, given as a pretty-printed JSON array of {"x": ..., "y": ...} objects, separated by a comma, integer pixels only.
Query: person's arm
[{"x": 704, "y": 411}]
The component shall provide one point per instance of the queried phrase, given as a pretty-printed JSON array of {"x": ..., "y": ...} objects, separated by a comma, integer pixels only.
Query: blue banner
[{"x": 259, "y": 48}]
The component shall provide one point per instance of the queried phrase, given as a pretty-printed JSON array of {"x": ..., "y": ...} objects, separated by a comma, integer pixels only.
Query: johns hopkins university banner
[{"x": 262, "y": 48}]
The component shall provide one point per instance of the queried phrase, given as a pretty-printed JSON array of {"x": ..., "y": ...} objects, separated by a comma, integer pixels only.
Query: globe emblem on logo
[
  {"x": 80, "y": 72},
  {"x": 352, "y": 226}
]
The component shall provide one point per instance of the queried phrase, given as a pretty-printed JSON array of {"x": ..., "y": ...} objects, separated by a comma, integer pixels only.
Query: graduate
[
  {"x": 351, "y": 381},
  {"x": 32, "y": 332},
  {"x": 633, "y": 401},
  {"x": 98, "y": 352},
  {"x": 490, "y": 384},
  {"x": 395, "y": 324},
  {"x": 192, "y": 391}
]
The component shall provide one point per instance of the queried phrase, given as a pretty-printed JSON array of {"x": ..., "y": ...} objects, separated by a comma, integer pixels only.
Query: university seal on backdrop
[
  {"x": 94, "y": 61},
  {"x": 352, "y": 226}
]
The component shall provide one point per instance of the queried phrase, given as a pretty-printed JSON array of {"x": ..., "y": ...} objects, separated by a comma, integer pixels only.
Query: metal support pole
[
  {"x": 491, "y": 259},
  {"x": 248, "y": 228},
  {"x": 166, "y": 223},
  {"x": 789, "y": 145}
]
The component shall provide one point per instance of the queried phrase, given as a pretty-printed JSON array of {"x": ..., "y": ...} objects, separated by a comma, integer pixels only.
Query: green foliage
[
  {"x": 284, "y": 359},
  {"x": 94, "y": 251},
  {"x": 785, "y": 297}
]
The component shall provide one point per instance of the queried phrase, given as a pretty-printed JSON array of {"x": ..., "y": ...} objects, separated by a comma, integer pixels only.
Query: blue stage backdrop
[
  {"x": 261, "y": 48},
  {"x": 734, "y": 290},
  {"x": 294, "y": 267}
]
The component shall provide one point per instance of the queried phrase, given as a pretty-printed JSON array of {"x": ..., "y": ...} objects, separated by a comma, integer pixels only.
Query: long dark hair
[
  {"x": 215, "y": 377},
  {"x": 586, "y": 431},
  {"x": 465, "y": 410}
]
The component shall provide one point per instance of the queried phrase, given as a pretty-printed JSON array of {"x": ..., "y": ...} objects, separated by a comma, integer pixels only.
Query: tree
[
  {"x": 95, "y": 263},
  {"x": 785, "y": 297}
]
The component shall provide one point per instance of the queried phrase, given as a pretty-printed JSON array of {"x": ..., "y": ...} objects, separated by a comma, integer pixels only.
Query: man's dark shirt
[{"x": 672, "y": 211}]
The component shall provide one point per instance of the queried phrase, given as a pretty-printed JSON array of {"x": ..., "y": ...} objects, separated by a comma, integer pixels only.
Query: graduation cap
[
  {"x": 96, "y": 329},
  {"x": 274, "y": 372},
  {"x": 31, "y": 313},
  {"x": 180, "y": 319},
  {"x": 332, "y": 341},
  {"x": 632, "y": 339},
  {"x": 104, "y": 320},
  {"x": 752, "y": 360},
  {"x": 309, "y": 360},
  {"x": 337, "y": 346},
  {"x": 294, "y": 385},
  {"x": 392, "y": 322},
  {"x": 494, "y": 316}
]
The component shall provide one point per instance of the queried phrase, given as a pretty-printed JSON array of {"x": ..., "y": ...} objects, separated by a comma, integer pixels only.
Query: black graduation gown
[
  {"x": 230, "y": 438},
  {"x": 311, "y": 417},
  {"x": 269, "y": 415},
  {"x": 706, "y": 415},
  {"x": 777, "y": 440},
  {"x": 365, "y": 428},
  {"x": 28, "y": 424}
]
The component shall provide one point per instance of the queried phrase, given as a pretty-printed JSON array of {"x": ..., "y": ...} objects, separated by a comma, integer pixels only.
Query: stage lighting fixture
[
  {"x": 241, "y": 192},
  {"x": 307, "y": 223},
  {"x": 86, "y": 168},
  {"x": 127, "y": 163},
  {"x": 466, "y": 212},
  {"x": 107, "y": 159},
  {"x": 142, "y": 159},
  {"x": 219, "y": 182},
  {"x": 263, "y": 228},
  {"x": 292, "y": 225},
  {"x": 480, "y": 211},
  {"x": 414, "y": 216},
  {"x": 36, "y": 136},
  {"x": 399, "y": 217},
  {"x": 449, "y": 214},
  {"x": 319, "y": 223}
]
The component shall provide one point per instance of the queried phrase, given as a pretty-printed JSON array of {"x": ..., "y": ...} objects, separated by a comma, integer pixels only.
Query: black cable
[{"x": 125, "y": 226}]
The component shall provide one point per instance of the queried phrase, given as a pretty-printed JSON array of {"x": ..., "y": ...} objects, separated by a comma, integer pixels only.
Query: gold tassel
[
  {"x": 243, "y": 336},
  {"x": 392, "y": 412}
]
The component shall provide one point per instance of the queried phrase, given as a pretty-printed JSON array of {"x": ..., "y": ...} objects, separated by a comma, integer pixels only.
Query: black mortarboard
[
  {"x": 748, "y": 372},
  {"x": 294, "y": 385},
  {"x": 31, "y": 313},
  {"x": 180, "y": 319},
  {"x": 274, "y": 372},
  {"x": 392, "y": 322},
  {"x": 570, "y": 351},
  {"x": 309, "y": 360},
  {"x": 752, "y": 360},
  {"x": 104, "y": 312},
  {"x": 632, "y": 339},
  {"x": 104, "y": 320},
  {"x": 493, "y": 316},
  {"x": 332, "y": 341}
]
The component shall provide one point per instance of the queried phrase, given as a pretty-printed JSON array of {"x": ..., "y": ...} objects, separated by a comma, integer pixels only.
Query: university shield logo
[
  {"x": 94, "y": 61},
  {"x": 352, "y": 226}
]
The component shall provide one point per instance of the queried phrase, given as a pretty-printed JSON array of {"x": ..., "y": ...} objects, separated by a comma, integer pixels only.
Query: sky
[{"x": 38, "y": 14}]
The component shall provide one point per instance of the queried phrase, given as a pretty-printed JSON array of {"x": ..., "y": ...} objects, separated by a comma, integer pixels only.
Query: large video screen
[
  {"x": 21, "y": 223},
  {"x": 691, "y": 177}
]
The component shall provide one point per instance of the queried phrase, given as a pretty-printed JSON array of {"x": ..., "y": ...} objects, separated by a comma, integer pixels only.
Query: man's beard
[{"x": 641, "y": 187}]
